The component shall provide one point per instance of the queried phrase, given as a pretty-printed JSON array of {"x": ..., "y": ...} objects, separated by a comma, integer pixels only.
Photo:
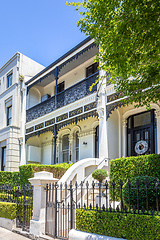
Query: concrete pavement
[{"x": 8, "y": 235}]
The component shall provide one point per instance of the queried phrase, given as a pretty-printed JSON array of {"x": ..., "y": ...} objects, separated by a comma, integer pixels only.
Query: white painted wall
[
  {"x": 34, "y": 97},
  {"x": 113, "y": 135},
  {"x": 47, "y": 153},
  {"x": 34, "y": 154},
  {"x": 76, "y": 75}
]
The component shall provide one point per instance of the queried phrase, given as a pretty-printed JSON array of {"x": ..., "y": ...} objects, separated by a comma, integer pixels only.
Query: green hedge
[
  {"x": 27, "y": 171},
  {"x": 8, "y": 210},
  {"x": 128, "y": 226},
  {"x": 129, "y": 167},
  {"x": 9, "y": 177}
]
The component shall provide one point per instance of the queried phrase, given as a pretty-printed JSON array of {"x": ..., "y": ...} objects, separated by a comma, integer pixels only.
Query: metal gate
[
  {"x": 60, "y": 210},
  {"x": 63, "y": 200},
  {"x": 24, "y": 200},
  {"x": 23, "y": 197}
]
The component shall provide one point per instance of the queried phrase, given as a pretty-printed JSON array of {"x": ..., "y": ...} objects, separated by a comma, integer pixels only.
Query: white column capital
[
  {"x": 157, "y": 112},
  {"x": 124, "y": 122},
  {"x": 100, "y": 113}
]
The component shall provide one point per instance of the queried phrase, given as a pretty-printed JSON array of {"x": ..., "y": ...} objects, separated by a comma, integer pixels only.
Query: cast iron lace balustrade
[{"x": 70, "y": 95}]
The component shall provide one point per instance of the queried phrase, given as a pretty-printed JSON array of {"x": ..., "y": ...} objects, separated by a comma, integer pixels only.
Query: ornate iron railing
[
  {"x": 23, "y": 197},
  {"x": 71, "y": 94},
  {"x": 62, "y": 200}
]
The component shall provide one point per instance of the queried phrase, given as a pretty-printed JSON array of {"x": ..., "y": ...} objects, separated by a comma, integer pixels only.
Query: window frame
[
  {"x": 9, "y": 118},
  {"x": 60, "y": 87},
  {"x": 94, "y": 68},
  {"x": 9, "y": 82},
  {"x": 3, "y": 162}
]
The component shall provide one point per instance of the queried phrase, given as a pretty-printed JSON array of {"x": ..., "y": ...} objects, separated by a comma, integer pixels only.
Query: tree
[{"x": 128, "y": 33}]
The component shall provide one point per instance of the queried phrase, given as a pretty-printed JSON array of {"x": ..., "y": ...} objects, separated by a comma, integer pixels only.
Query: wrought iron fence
[
  {"x": 63, "y": 200},
  {"x": 23, "y": 197}
]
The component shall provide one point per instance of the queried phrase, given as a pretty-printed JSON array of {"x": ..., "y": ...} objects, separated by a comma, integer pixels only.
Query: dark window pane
[
  {"x": 138, "y": 136},
  {"x": 9, "y": 115},
  {"x": 91, "y": 69},
  {"x": 3, "y": 163},
  {"x": 77, "y": 147},
  {"x": 146, "y": 135},
  {"x": 65, "y": 142},
  {"x": 60, "y": 87},
  {"x": 142, "y": 119},
  {"x": 129, "y": 144},
  {"x": 9, "y": 80},
  {"x": 77, "y": 140}
]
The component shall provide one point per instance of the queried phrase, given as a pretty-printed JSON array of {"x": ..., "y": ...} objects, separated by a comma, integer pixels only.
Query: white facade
[
  {"x": 64, "y": 130},
  {"x": 53, "y": 117},
  {"x": 73, "y": 123},
  {"x": 13, "y": 76},
  {"x": 127, "y": 126}
]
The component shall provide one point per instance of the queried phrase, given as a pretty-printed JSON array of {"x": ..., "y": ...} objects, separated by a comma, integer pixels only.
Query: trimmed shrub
[
  {"x": 27, "y": 171},
  {"x": 8, "y": 210},
  {"x": 9, "y": 177},
  {"x": 129, "y": 167},
  {"x": 99, "y": 174},
  {"x": 126, "y": 168},
  {"x": 128, "y": 226},
  {"x": 142, "y": 192}
]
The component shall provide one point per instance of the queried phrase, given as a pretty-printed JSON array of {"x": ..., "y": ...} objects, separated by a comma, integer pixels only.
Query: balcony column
[
  {"x": 103, "y": 123},
  {"x": 55, "y": 140},
  {"x": 56, "y": 77},
  {"x": 124, "y": 125}
]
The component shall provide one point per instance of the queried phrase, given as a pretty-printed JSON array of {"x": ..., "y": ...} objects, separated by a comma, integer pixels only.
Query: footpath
[{"x": 8, "y": 235}]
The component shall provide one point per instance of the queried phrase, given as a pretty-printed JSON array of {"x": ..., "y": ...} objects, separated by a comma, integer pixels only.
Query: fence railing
[
  {"x": 62, "y": 201},
  {"x": 23, "y": 197}
]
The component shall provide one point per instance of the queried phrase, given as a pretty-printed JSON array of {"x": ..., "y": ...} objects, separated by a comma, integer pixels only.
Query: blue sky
[{"x": 41, "y": 29}]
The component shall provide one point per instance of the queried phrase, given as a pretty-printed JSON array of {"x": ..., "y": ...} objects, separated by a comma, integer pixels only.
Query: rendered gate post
[{"x": 37, "y": 224}]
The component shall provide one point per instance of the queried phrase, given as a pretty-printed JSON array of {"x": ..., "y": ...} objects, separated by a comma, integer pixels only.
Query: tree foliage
[{"x": 128, "y": 33}]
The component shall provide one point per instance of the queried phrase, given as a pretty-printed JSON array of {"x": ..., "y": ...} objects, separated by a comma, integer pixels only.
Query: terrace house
[{"x": 61, "y": 118}]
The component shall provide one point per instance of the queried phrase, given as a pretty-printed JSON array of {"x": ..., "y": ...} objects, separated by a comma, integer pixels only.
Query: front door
[{"x": 141, "y": 134}]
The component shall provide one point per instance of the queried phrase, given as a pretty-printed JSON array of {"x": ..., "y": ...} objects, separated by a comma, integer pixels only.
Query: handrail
[{"x": 105, "y": 159}]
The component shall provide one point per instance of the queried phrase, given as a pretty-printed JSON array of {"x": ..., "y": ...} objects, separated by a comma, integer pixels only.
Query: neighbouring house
[{"x": 13, "y": 75}]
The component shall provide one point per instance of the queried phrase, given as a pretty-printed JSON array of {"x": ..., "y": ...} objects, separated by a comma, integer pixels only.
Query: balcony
[{"x": 69, "y": 95}]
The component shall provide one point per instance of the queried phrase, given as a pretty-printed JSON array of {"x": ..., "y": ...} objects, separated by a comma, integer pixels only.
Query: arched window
[
  {"x": 77, "y": 146},
  {"x": 65, "y": 148}
]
